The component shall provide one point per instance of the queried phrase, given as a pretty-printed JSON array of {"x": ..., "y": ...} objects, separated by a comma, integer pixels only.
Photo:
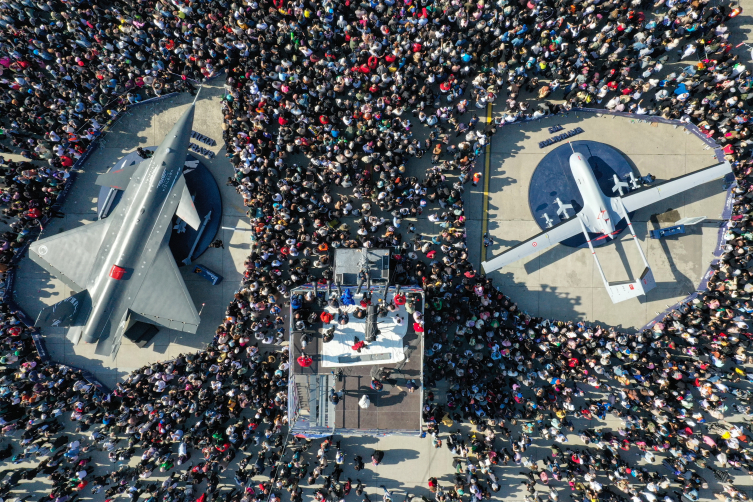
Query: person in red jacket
[
  {"x": 358, "y": 345},
  {"x": 305, "y": 361}
]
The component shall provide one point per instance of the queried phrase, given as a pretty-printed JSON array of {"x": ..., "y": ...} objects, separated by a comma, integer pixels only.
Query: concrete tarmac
[
  {"x": 564, "y": 283},
  {"x": 146, "y": 125}
]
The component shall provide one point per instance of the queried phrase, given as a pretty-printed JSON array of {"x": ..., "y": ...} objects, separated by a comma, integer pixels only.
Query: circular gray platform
[
  {"x": 552, "y": 178},
  {"x": 184, "y": 240}
]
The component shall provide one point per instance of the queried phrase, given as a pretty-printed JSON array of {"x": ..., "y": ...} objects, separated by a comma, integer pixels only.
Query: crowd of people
[{"x": 328, "y": 107}]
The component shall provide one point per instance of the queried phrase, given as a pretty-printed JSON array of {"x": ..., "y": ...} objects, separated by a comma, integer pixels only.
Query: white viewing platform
[{"x": 388, "y": 347}]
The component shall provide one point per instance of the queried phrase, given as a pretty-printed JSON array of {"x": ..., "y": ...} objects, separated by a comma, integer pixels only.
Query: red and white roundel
[{"x": 534, "y": 244}]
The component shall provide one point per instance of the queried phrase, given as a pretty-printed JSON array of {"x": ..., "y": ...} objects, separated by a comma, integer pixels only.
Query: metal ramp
[
  {"x": 302, "y": 383},
  {"x": 316, "y": 414},
  {"x": 325, "y": 412}
]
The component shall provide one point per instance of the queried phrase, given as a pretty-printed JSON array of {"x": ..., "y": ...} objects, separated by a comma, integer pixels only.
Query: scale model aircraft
[
  {"x": 600, "y": 215},
  {"x": 122, "y": 266}
]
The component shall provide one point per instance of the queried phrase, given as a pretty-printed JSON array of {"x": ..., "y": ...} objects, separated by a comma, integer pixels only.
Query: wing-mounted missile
[
  {"x": 619, "y": 185},
  {"x": 548, "y": 220},
  {"x": 563, "y": 208}
]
